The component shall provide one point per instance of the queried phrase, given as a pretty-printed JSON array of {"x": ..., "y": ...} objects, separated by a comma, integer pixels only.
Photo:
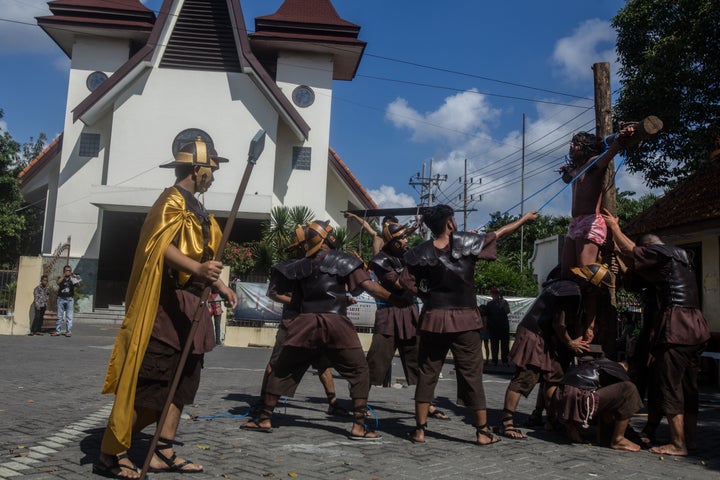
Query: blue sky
[{"x": 440, "y": 81}]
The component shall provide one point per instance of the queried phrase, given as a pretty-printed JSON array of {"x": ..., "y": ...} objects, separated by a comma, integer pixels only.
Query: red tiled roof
[
  {"x": 313, "y": 26},
  {"x": 37, "y": 163},
  {"x": 102, "y": 4},
  {"x": 350, "y": 180},
  {"x": 692, "y": 206},
  {"x": 307, "y": 11}
]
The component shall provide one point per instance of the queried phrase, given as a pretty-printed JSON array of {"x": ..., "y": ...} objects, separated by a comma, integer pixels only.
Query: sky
[{"x": 439, "y": 83}]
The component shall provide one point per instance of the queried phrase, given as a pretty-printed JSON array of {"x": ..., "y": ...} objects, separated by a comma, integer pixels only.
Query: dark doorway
[{"x": 120, "y": 235}]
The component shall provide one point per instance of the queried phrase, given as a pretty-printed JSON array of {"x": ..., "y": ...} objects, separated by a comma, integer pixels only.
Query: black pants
[
  {"x": 500, "y": 342},
  {"x": 37, "y": 323}
]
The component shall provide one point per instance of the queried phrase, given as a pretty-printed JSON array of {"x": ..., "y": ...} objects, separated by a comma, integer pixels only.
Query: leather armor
[
  {"x": 675, "y": 281},
  {"x": 322, "y": 289},
  {"x": 383, "y": 263},
  {"x": 539, "y": 318},
  {"x": 595, "y": 374},
  {"x": 446, "y": 279}
]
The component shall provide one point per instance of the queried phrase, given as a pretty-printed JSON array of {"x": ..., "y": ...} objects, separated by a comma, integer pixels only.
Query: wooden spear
[{"x": 256, "y": 147}]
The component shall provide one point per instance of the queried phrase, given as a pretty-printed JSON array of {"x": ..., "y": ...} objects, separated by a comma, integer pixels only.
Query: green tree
[
  {"x": 278, "y": 232},
  {"x": 505, "y": 271},
  {"x": 19, "y": 223},
  {"x": 670, "y": 68},
  {"x": 505, "y": 274},
  {"x": 629, "y": 208}
]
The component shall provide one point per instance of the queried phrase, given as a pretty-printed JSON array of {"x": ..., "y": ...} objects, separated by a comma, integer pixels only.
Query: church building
[{"x": 141, "y": 85}]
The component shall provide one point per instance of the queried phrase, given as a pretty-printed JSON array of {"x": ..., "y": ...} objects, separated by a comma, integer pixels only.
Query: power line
[{"x": 504, "y": 82}]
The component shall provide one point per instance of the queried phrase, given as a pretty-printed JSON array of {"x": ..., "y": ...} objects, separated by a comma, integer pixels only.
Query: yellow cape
[{"x": 167, "y": 222}]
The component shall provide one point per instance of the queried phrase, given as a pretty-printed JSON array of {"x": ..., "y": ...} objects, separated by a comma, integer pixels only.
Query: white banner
[{"x": 253, "y": 304}]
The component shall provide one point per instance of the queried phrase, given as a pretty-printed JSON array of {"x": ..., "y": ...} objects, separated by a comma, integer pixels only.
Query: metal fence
[{"x": 8, "y": 285}]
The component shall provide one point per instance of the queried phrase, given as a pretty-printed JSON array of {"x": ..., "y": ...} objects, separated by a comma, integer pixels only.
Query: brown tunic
[
  {"x": 675, "y": 325},
  {"x": 331, "y": 330},
  {"x": 451, "y": 320}
]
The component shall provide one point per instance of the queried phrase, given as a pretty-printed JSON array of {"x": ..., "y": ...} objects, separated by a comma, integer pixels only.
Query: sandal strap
[
  {"x": 421, "y": 426},
  {"x": 481, "y": 430},
  {"x": 167, "y": 443},
  {"x": 359, "y": 415},
  {"x": 169, "y": 461}
]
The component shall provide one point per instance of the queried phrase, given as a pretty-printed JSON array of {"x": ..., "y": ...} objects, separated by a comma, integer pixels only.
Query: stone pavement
[{"x": 52, "y": 417}]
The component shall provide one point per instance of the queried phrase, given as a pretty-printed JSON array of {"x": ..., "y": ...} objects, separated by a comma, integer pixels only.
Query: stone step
[{"x": 113, "y": 316}]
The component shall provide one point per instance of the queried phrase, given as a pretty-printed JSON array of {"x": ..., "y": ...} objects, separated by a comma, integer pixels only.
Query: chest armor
[
  {"x": 539, "y": 318},
  {"x": 384, "y": 263},
  {"x": 595, "y": 374},
  {"x": 445, "y": 280},
  {"x": 675, "y": 282},
  {"x": 322, "y": 281}
]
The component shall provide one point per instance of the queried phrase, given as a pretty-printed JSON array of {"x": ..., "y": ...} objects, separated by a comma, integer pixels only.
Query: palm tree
[{"x": 278, "y": 231}]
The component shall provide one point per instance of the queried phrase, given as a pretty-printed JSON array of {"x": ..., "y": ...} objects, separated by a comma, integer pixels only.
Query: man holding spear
[{"x": 174, "y": 263}]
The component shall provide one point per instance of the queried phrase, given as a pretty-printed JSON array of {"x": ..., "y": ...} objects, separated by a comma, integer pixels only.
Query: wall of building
[
  {"x": 29, "y": 272},
  {"x": 307, "y": 187}
]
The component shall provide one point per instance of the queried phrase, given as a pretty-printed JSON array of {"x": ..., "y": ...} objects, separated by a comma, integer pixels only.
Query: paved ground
[{"x": 52, "y": 416}]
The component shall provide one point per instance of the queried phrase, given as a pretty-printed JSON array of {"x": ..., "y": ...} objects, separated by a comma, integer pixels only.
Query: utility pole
[
  {"x": 522, "y": 195},
  {"x": 605, "y": 328},
  {"x": 464, "y": 196},
  {"x": 427, "y": 197},
  {"x": 421, "y": 181},
  {"x": 603, "y": 128}
]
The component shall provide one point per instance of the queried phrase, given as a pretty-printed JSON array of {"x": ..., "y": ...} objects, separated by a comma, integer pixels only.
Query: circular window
[{"x": 95, "y": 79}]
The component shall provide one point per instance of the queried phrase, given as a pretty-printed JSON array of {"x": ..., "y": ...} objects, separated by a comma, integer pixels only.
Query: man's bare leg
[
  {"x": 123, "y": 466},
  {"x": 359, "y": 415},
  {"x": 677, "y": 444},
  {"x": 260, "y": 421},
  {"x": 482, "y": 431},
  {"x": 165, "y": 449},
  {"x": 328, "y": 383},
  {"x": 507, "y": 428},
  {"x": 618, "y": 441},
  {"x": 421, "y": 414},
  {"x": 569, "y": 258}
]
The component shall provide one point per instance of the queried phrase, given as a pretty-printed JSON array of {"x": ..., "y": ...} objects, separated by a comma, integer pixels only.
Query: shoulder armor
[
  {"x": 466, "y": 243},
  {"x": 563, "y": 288},
  {"x": 386, "y": 262},
  {"x": 675, "y": 253},
  {"x": 422, "y": 255},
  {"x": 295, "y": 269},
  {"x": 339, "y": 263}
]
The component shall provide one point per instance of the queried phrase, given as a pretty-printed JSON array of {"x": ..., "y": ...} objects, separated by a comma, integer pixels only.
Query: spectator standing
[
  {"x": 497, "y": 311},
  {"x": 40, "y": 298},
  {"x": 66, "y": 283},
  {"x": 216, "y": 310}
]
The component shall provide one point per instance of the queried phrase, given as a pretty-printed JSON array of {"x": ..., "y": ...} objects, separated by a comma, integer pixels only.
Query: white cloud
[
  {"x": 3, "y": 126},
  {"x": 495, "y": 165},
  {"x": 20, "y": 33},
  {"x": 466, "y": 113},
  {"x": 387, "y": 197},
  {"x": 591, "y": 42}
]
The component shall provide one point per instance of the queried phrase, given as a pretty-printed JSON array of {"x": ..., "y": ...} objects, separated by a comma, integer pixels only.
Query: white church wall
[
  {"x": 307, "y": 187},
  {"x": 228, "y": 107}
]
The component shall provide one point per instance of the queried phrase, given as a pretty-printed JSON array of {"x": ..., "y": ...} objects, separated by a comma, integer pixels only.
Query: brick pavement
[{"x": 52, "y": 417}]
